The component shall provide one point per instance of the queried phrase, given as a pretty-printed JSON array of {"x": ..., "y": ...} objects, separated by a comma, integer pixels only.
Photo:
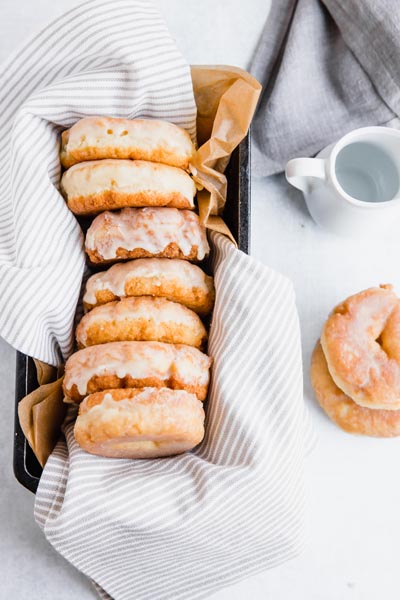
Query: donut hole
[
  {"x": 124, "y": 132},
  {"x": 380, "y": 340},
  {"x": 110, "y": 131}
]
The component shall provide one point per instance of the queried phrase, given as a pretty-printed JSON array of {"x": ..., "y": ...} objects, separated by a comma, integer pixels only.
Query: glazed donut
[
  {"x": 136, "y": 364},
  {"x": 174, "y": 279},
  {"x": 143, "y": 319},
  {"x": 139, "y": 423},
  {"x": 94, "y": 186},
  {"x": 343, "y": 410},
  {"x": 362, "y": 347},
  {"x": 94, "y": 138},
  {"x": 146, "y": 232}
]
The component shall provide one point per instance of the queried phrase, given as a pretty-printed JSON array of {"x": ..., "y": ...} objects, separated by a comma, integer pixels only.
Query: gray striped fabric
[
  {"x": 174, "y": 528},
  {"x": 112, "y": 57},
  {"x": 183, "y": 527}
]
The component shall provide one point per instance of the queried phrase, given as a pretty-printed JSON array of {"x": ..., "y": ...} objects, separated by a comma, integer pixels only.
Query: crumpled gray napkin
[{"x": 327, "y": 67}]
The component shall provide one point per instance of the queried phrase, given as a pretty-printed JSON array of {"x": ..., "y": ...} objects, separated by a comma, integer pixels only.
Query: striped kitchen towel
[
  {"x": 183, "y": 527},
  {"x": 105, "y": 57},
  {"x": 173, "y": 528}
]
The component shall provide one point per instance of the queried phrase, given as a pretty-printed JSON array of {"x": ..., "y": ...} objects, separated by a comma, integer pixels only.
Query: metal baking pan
[{"x": 237, "y": 216}]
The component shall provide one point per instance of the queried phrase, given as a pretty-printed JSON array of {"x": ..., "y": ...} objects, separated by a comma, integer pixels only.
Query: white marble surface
[{"x": 353, "y": 486}]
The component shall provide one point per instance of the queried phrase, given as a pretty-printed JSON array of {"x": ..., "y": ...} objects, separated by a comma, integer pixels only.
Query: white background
[{"x": 353, "y": 504}]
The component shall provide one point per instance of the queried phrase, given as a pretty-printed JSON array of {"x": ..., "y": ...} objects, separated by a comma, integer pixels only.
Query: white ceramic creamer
[{"x": 352, "y": 187}]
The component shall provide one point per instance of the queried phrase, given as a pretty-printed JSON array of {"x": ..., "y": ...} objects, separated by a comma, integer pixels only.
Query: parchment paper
[
  {"x": 41, "y": 413},
  {"x": 226, "y": 99}
]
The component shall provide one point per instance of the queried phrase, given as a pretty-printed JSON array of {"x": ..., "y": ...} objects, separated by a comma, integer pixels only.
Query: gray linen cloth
[{"x": 327, "y": 67}]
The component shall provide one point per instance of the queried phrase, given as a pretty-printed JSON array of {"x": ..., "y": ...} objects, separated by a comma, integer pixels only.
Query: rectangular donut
[
  {"x": 143, "y": 318},
  {"x": 94, "y": 186},
  {"x": 170, "y": 278},
  {"x": 136, "y": 364},
  {"x": 146, "y": 232},
  {"x": 139, "y": 423},
  {"x": 93, "y": 138}
]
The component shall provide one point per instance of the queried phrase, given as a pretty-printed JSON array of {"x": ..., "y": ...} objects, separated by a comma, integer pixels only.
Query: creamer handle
[{"x": 299, "y": 171}]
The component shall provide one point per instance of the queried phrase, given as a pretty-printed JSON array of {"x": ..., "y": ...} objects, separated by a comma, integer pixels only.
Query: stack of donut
[
  {"x": 140, "y": 374},
  {"x": 355, "y": 368}
]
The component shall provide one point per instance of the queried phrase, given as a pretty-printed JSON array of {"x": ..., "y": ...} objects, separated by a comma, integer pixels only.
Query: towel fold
[
  {"x": 327, "y": 67},
  {"x": 186, "y": 526}
]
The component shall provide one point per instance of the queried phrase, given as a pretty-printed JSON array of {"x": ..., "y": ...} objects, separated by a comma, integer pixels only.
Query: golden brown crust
[
  {"x": 144, "y": 423},
  {"x": 142, "y": 318},
  {"x": 94, "y": 186},
  {"x": 170, "y": 251},
  {"x": 135, "y": 364},
  {"x": 105, "y": 296},
  {"x": 142, "y": 330},
  {"x": 158, "y": 155},
  {"x": 361, "y": 364},
  {"x": 343, "y": 410},
  {"x": 160, "y": 232},
  {"x": 194, "y": 298},
  {"x": 113, "y": 200},
  {"x": 117, "y": 395},
  {"x": 98, "y": 383},
  {"x": 98, "y": 137}
]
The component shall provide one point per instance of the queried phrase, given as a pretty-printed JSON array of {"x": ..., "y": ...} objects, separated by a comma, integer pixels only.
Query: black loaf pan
[{"x": 237, "y": 216}]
